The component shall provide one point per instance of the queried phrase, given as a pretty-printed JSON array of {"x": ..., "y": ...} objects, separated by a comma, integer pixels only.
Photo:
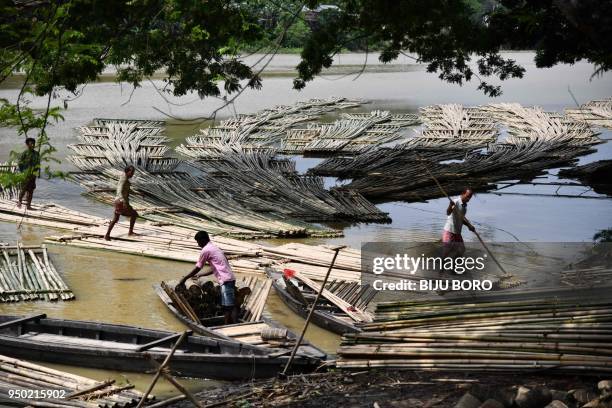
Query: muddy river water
[{"x": 117, "y": 288}]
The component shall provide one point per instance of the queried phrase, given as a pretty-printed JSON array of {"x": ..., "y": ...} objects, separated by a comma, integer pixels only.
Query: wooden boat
[
  {"x": 245, "y": 333},
  {"x": 326, "y": 315},
  {"x": 127, "y": 348}
]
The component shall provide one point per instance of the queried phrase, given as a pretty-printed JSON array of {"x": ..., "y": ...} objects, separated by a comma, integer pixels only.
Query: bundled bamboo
[
  {"x": 36, "y": 385},
  {"x": 535, "y": 124},
  {"x": 176, "y": 242},
  {"x": 353, "y": 133},
  {"x": 255, "y": 178},
  {"x": 594, "y": 276},
  {"x": 26, "y": 273},
  {"x": 536, "y": 141},
  {"x": 457, "y": 123},
  {"x": 597, "y": 112},
  {"x": 165, "y": 192},
  {"x": 564, "y": 333},
  {"x": 264, "y": 128}
]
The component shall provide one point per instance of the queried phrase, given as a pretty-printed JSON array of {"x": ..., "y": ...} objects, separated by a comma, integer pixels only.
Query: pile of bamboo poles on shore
[
  {"x": 596, "y": 112},
  {"x": 35, "y": 385},
  {"x": 567, "y": 334},
  {"x": 352, "y": 134},
  {"x": 26, "y": 273}
]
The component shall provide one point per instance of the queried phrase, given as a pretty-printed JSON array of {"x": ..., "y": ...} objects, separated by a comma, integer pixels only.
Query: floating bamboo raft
[
  {"x": 525, "y": 123},
  {"x": 70, "y": 390},
  {"x": 597, "y": 112},
  {"x": 268, "y": 127},
  {"x": 237, "y": 190},
  {"x": 470, "y": 126},
  {"x": 563, "y": 334},
  {"x": 164, "y": 193},
  {"x": 26, "y": 273},
  {"x": 259, "y": 181},
  {"x": 451, "y": 148},
  {"x": 352, "y": 134},
  {"x": 177, "y": 243}
]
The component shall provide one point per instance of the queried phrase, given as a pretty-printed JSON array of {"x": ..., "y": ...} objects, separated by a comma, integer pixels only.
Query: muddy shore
[{"x": 404, "y": 389}]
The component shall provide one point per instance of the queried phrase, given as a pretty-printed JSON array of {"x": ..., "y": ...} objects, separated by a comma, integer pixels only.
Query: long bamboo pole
[{"x": 310, "y": 313}]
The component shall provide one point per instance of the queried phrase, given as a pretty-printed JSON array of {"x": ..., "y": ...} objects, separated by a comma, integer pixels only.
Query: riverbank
[{"x": 402, "y": 389}]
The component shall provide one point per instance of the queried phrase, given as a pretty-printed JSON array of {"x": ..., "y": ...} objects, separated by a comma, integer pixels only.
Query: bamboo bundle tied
[
  {"x": 566, "y": 333},
  {"x": 26, "y": 273},
  {"x": 596, "y": 112}
]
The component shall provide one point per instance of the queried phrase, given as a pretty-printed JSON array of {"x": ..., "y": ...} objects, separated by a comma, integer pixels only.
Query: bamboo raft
[
  {"x": 160, "y": 240},
  {"x": 564, "y": 333},
  {"x": 26, "y": 273},
  {"x": 71, "y": 390},
  {"x": 264, "y": 184},
  {"x": 535, "y": 141},
  {"x": 597, "y": 112},
  {"x": 268, "y": 127},
  {"x": 166, "y": 193},
  {"x": 352, "y": 134}
]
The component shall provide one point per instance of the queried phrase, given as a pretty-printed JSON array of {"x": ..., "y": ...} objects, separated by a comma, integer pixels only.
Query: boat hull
[
  {"x": 319, "y": 318},
  {"x": 201, "y": 357}
]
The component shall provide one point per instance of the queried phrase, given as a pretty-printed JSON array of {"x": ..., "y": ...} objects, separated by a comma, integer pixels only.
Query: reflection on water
[{"x": 117, "y": 288}]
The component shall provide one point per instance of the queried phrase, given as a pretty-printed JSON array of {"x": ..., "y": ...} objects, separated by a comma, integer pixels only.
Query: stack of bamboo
[
  {"x": 177, "y": 243},
  {"x": 528, "y": 124},
  {"x": 526, "y": 333},
  {"x": 454, "y": 122},
  {"x": 352, "y": 134},
  {"x": 255, "y": 302},
  {"x": 255, "y": 179},
  {"x": 597, "y": 112},
  {"x": 163, "y": 192},
  {"x": 268, "y": 126},
  {"x": 39, "y": 386},
  {"x": 27, "y": 274},
  {"x": 352, "y": 311}
]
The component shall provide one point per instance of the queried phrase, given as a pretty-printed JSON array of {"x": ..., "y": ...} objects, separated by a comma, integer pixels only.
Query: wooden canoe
[
  {"x": 245, "y": 334},
  {"x": 118, "y": 347},
  {"x": 324, "y": 316}
]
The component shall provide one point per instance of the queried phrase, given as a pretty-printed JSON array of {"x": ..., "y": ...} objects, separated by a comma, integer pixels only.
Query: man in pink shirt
[{"x": 221, "y": 269}]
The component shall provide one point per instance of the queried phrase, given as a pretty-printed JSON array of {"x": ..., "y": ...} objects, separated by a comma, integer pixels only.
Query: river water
[{"x": 117, "y": 288}]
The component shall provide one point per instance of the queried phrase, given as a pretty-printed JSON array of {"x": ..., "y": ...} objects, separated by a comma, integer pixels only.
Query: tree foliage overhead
[
  {"x": 448, "y": 35},
  {"x": 68, "y": 43}
]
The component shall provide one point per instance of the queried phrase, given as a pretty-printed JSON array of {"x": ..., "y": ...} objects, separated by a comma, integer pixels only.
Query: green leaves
[{"x": 447, "y": 34}]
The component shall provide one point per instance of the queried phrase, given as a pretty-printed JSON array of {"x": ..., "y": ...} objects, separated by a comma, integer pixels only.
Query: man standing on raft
[
  {"x": 220, "y": 267},
  {"x": 451, "y": 237},
  {"x": 122, "y": 202},
  {"x": 29, "y": 164}
]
